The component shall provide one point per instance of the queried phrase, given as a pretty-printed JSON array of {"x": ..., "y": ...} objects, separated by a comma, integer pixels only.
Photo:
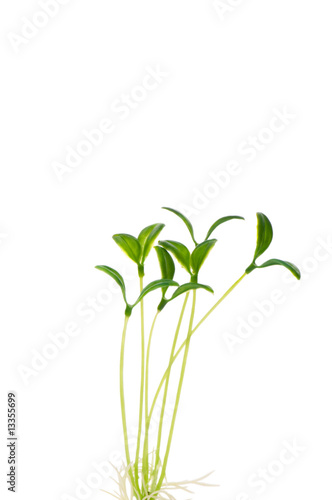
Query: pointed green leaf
[
  {"x": 130, "y": 245},
  {"x": 117, "y": 278},
  {"x": 288, "y": 265},
  {"x": 166, "y": 263},
  {"x": 154, "y": 285},
  {"x": 147, "y": 237},
  {"x": 189, "y": 286},
  {"x": 200, "y": 253},
  {"x": 221, "y": 221},
  {"x": 180, "y": 252},
  {"x": 264, "y": 235},
  {"x": 185, "y": 220}
]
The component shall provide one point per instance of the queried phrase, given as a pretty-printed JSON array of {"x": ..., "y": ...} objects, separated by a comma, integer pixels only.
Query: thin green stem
[
  {"x": 162, "y": 412},
  {"x": 122, "y": 398},
  {"x": 141, "y": 403},
  {"x": 178, "y": 395},
  {"x": 219, "y": 302},
  {"x": 184, "y": 343},
  {"x": 146, "y": 396}
]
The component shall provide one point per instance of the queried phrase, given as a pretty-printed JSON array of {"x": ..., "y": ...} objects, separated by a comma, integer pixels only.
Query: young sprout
[
  {"x": 146, "y": 473},
  {"x": 138, "y": 250},
  {"x": 264, "y": 238}
]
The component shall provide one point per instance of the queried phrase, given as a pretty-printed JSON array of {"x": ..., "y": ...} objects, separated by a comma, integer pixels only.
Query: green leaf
[
  {"x": 130, "y": 245},
  {"x": 200, "y": 253},
  {"x": 288, "y": 265},
  {"x": 147, "y": 237},
  {"x": 167, "y": 268},
  {"x": 117, "y": 278},
  {"x": 180, "y": 252},
  {"x": 185, "y": 220},
  {"x": 166, "y": 264},
  {"x": 221, "y": 221},
  {"x": 154, "y": 285},
  {"x": 264, "y": 235},
  {"x": 189, "y": 286}
]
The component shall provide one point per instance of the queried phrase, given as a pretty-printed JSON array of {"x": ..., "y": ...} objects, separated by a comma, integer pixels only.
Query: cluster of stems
[{"x": 153, "y": 475}]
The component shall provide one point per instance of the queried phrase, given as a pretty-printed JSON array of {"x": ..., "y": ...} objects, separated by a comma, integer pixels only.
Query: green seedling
[{"x": 146, "y": 471}]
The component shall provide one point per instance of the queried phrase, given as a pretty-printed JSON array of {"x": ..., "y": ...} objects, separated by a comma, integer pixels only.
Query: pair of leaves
[
  {"x": 139, "y": 248},
  {"x": 264, "y": 239},
  {"x": 191, "y": 229},
  {"x": 191, "y": 262},
  {"x": 167, "y": 268},
  {"x": 154, "y": 285}
]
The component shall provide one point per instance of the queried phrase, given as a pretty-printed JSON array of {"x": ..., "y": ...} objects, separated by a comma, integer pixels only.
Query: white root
[{"x": 126, "y": 490}]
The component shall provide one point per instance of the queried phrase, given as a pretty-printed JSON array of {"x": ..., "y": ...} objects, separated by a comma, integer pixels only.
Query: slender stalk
[
  {"x": 176, "y": 406},
  {"x": 146, "y": 396},
  {"x": 122, "y": 399},
  {"x": 219, "y": 302},
  {"x": 162, "y": 413},
  {"x": 184, "y": 343},
  {"x": 140, "y": 417}
]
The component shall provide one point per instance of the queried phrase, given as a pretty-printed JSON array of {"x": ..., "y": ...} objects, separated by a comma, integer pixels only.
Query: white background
[{"x": 226, "y": 75}]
